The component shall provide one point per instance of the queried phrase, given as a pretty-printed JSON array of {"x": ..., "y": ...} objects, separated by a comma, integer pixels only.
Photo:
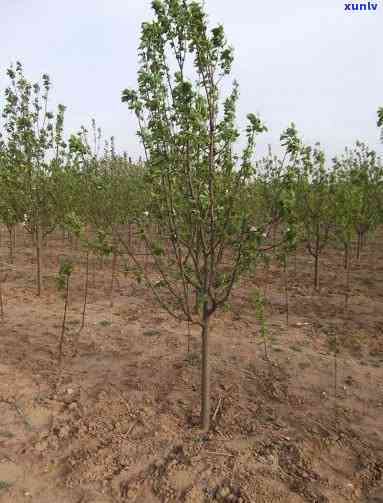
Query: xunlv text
[{"x": 360, "y": 6}]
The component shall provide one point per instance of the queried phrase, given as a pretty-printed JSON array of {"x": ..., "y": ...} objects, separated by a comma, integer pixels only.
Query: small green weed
[
  {"x": 193, "y": 359},
  {"x": 151, "y": 333},
  {"x": 105, "y": 323},
  {"x": 6, "y": 434},
  {"x": 4, "y": 485}
]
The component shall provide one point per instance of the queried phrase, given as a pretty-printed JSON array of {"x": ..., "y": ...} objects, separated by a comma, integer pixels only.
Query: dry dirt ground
[{"x": 121, "y": 423}]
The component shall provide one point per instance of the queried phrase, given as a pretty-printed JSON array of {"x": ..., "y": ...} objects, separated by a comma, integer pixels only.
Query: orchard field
[
  {"x": 120, "y": 422},
  {"x": 198, "y": 324}
]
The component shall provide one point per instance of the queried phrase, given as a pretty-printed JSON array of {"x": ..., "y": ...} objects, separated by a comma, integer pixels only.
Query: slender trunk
[
  {"x": 77, "y": 340},
  {"x": 94, "y": 272},
  {"x": 286, "y": 291},
  {"x": 274, "y": 238},
  {"x": 189, "y": 336},
  {"x": 266, "y": 280},
  {"x": 348, "y": 282},
  {"x": 130, "y": 236},
  {"x": 336, "y": 379},
  {"x": 11, "y": 251},
  {"x": 1, "y": 298},
  {"x": 14, "y": 239},
  {"x": 316, "y": 272},
  {"x": 205, "y": 378},
  {"x": 188, "y": 322},
  {"x": 316, "y": 258},
  {"x": 358, "y": 246},
  {"x": 196, "y": 301},
  {"x": 114, "y": 264},
  {"x": 25, "y": 237},
  {"x": 265, "y": 352},
  {"x": 63, "y": 326},
  {"x": 85, "y": 289},
  {"x": 346, "y": 255},
  {"x": 38, "y": 259},
  {"x": 363, "y": 239}
]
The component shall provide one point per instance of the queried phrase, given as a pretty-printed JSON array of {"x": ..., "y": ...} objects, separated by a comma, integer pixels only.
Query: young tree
[
  {"x": 198, "y": 199},
  {"x": 314, "y": 197},
  {"x": 365, "y": 175},
  {"x": 34, "y": 146},
  {"x": 346, "y": 204}
]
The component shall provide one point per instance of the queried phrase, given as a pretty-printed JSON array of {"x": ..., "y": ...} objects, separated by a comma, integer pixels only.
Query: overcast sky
[{"x": 305, "y": 61}]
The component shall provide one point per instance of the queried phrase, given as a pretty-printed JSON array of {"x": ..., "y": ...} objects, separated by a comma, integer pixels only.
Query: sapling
[
  {"x": 346, "y": 204},
  {"x": 109, "y": 195},
  {"x": 365, "y": 174},
  {"x": 259, "y": 303},
  {"x": 34, "y": 152},
  {"x": 314, "y": 203},
  {"x": 65, "y": 271},
  {"x": 80, "y": 231}
]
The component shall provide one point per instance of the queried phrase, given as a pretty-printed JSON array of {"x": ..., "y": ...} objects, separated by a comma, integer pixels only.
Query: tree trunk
[
  {"x": 94, "y": 271},
  {"x": 130, "y": 236},
  {"x": 38, "y": 260},
  {"x": 316, "y": 271},
  {"x": 205, "y": 381},
  {"x": 274, "y": 238},
  {"x": 267, "y": 265},
  {"x": 11, "y": 251},
  {"x": 346, "y": 255},
  {"x": 188, "y": 336},
  {"x": 14, "y": 239},
  {"x": 114, "y": 266},
  {"x": 1, "y": 297},
  {"x": 63, "y": 326},
  {"x": 363, "y": 239},
  {"x": 196, "y": 301},
  {"x": 286, "y": 291},
  {"x": 77, "y": 339},
  {"x": 85, "y": 289},
  {"x": 348, "y": 282},
  {"x": 358, "y": 247}
]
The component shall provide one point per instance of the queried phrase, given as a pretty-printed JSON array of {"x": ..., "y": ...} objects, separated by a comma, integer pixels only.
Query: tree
[
  {"x": 346, "y": 204},
  {"x": 314, "y": 196},
  {"x": 34, "y": 147},
  {"x": 198, "y": 199},
  {"x": 365, "y": 175}
]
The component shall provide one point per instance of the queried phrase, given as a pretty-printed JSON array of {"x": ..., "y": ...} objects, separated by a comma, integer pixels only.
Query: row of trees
[{"x": 205, "y": 213}]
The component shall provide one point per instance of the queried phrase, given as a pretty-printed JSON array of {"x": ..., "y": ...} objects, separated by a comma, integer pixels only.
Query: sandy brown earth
[{"x": 121, "y": 422}]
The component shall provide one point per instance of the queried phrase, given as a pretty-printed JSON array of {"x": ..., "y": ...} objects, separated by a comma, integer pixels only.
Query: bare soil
[{"x": 119, "y": 423}]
